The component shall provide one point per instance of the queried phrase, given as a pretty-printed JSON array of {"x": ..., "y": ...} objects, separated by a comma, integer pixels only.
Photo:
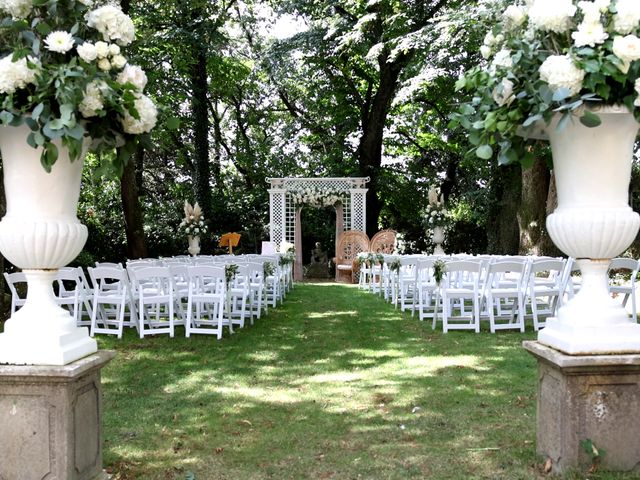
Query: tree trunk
[
  {"x": 374, "y": 117},
  {"x": 199, "y": 106},
  {"x": 532, "y": 216},
  {"x": 132, "y": 211},
  {"x": 503, "y": 235}
]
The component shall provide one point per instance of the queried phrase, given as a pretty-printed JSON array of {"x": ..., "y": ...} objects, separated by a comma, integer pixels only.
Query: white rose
[
  {"x": 118, "y": 61},
  {"x": 18, "y": 9},
  {"x": 148, "y": 116},
  {"x": 603, "y": 5},
  {"x": 114, "y": 49},
  {"x": 589, "y": 34},
  {"x": 59, "y": 41},
  {"x": 503, "y": 92},
  {"x": 503, "y": 59},
  {"x": 513, "y": 17},
  {"x": 134, "y": 75},
  {"x": 559, "y": 71},
  {"x": 104, "y": 64},
  {"x": 628, "y": 17},
  {"x": 102, "y": 49},
  {"x": 626, "y": 48},
  {"x": 87, "y": 52},
  {"x": 552, "y": 15},
  {"x": 88, "y": 3},
  {"x": 636, "y": 86},
  {"x": 16, "y": 75}
]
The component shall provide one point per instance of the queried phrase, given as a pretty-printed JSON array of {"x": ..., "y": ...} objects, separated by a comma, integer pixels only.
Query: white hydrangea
[
  {"x": 503, "y": 59},
  {"x": 148, "y": 116},
  {"x": 559, "y": 71},
  {"x": 93, "y": 100},
  {"x": 628, "y": 17},
  {"x": 591, "y": 11},
  {"x": 59, "y": 41},
  {"x": 16, "y": 75},
  {"x": 134, "y": 75},
  {"x": 603, "y": 5},
  {"x": 591, "y": 33},
  {"x": 513, "y": 17},
  {"x": 485, "y": 51},
  {"x": 87, "y": 52},
  {"x": 112, "y": 23},
  {"x": 552, "y": 15},
  {"x": 18, "y": 9}
]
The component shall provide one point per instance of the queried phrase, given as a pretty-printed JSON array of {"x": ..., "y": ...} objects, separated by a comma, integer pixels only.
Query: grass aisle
[{"x": 336, "y": 384}]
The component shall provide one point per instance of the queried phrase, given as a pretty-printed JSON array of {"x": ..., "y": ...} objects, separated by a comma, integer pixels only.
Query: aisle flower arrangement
[
  {"x": 546, "y": 56},
  {"x": 193, "y": 222},
  {"x": 63, "y": 72}
]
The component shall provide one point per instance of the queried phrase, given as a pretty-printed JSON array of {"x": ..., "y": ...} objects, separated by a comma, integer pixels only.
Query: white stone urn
[
  {"x": 593, "y": 223},
  {"x": 438, "y": 238},
  {"x": 194, "y": 245},
  {"x": 40, "y": 233}
]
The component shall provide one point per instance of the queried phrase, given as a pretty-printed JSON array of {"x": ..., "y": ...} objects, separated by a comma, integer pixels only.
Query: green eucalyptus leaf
[
  {"x": 37, "y": 111},
  {"x": 590, "y": 119},
  {"x": 6, "y": 117},
  {"x": 484, "y": 151},
  {"x": 531, "y": 120},
  {"x": 561, "y": 94}
]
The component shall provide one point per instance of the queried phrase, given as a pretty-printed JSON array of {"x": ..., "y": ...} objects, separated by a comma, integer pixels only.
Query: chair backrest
[
  {"x": 464, "y": 273},
  {"x": 109, "y": 264},
  {"x": 206, "y": 279},
  {"x": 384, "y": 242},
  {"x": 351, "y": 243},
  {"x": 12, "y": 279},
  {"x": 622, "y": 263},
  {"x": 113, "y": 280}
]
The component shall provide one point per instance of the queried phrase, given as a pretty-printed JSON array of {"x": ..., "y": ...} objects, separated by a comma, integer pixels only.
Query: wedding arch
[{"x": 287, "y": 196}]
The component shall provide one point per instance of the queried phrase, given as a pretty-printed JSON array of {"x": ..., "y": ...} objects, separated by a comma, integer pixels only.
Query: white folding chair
[
  {"x": 461, "y": 284},
  {"x": 153, "y": 289},
  {"x": 626, "y": 288},
  {"x": 74, "y": 294},
  {"x": 407, "y": 281},
  {"x": 544, "y": 288},
  {"x": 504, "y": 289},
  {"x": 16, "y": 281},
  {"x": 111, "y": 300},
  {"x": 206, "y": 301}
]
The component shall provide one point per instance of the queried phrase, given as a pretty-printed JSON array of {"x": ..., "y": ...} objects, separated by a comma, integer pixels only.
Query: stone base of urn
[
  {"x": 595, "y": 397},
  {"x": 50, "y": 420}
]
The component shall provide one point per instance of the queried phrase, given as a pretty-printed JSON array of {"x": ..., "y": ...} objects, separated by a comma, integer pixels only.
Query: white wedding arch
[{"x": 288, "y": 195}]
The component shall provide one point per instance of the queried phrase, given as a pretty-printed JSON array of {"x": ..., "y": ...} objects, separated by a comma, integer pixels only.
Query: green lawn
[{"x": 336, "y": 384}]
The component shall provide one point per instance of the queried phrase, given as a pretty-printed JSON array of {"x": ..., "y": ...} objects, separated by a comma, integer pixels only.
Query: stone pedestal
[
  {"x": 50, "y": 420},
  {"x": 594, "y": 397}
]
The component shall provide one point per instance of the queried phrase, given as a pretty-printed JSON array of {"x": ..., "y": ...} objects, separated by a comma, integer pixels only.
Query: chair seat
[{"x": 344, "y": 267}]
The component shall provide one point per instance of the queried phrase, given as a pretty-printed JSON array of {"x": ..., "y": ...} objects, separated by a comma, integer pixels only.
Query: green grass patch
[{"x": 335, "y": 384}]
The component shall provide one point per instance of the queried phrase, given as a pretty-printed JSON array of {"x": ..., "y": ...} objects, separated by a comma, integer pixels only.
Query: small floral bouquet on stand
[
  {"x": 193, "y": 223},
  {"x": 436, "y": 214}
]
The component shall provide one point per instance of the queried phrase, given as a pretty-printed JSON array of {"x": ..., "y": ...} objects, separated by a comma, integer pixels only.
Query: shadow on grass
[{"x": 334, "y": 384}]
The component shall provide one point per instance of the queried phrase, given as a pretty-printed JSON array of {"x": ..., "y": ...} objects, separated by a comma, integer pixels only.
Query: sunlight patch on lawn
[
  {"x": 257, "y": 393},
  {"x": 342, "y": 376},
  {"x": 350, "y": 313}
]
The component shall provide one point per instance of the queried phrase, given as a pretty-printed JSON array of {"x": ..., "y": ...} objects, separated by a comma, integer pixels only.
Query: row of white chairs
[
  {"x": 505, "y": 290},
  {"x": 155, "y": 295}
]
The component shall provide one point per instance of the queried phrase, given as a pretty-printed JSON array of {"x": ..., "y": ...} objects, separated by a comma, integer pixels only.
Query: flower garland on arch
[{"x": 315, "y": 196}]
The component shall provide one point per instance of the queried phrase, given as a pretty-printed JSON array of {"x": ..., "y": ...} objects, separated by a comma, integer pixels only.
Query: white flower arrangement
[
  {"x": 315, "y": 196},
  {"x": 63, "y": 73},
  {"x": 193, "y": 223},
  {"x": 548, "y": 56},
  {"x": 435, "y": 214}
]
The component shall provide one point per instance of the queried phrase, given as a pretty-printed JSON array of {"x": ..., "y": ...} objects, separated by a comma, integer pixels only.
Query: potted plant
[
  {"x": 567, "y": 71},
  {"x": 66, "y": 87}
]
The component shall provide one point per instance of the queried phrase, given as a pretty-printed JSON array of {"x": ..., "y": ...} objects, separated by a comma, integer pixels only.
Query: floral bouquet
[
  {"x": 63, "y": 73},
  {"x": 548, "y": 56},
  {"x": 435, "y": 216},
  {"x": 193, "y": 221}
]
